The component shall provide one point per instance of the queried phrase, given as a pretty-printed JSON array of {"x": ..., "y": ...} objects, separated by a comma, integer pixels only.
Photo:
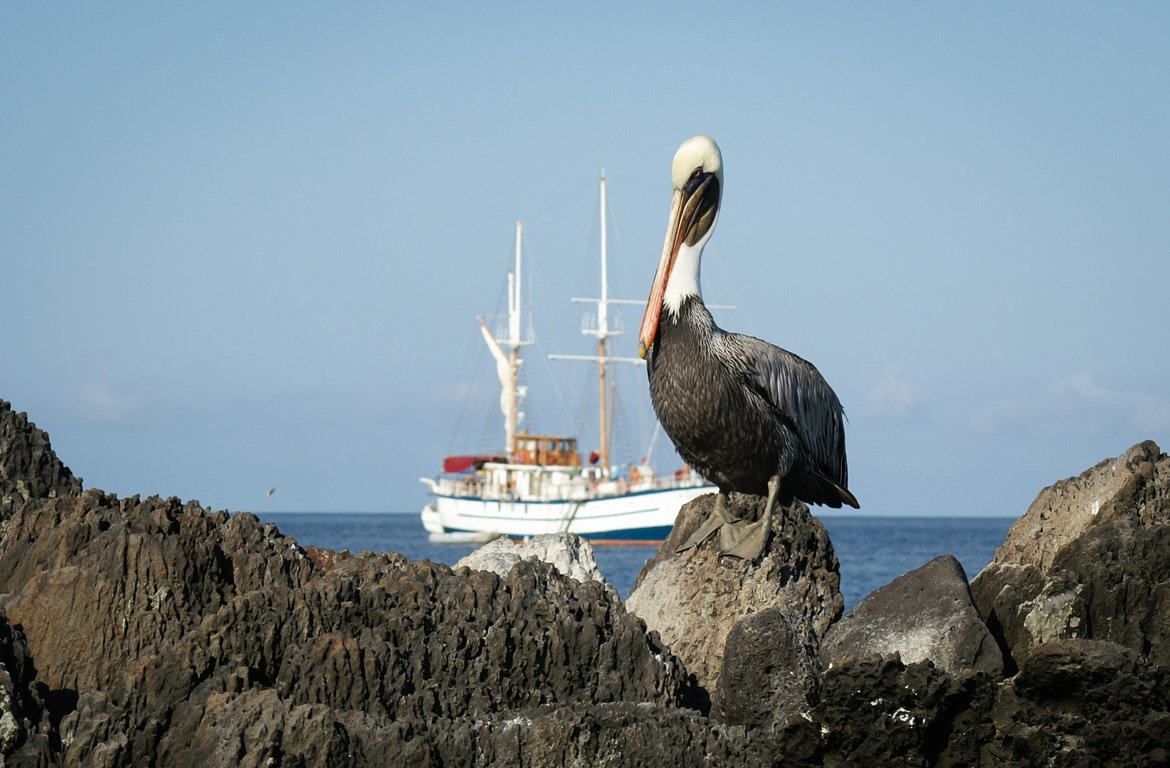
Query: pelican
[{"x": 747, "y": 415}]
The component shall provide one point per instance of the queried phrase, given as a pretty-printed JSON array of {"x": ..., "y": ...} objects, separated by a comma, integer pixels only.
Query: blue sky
[{"x": 243, "y": 245}]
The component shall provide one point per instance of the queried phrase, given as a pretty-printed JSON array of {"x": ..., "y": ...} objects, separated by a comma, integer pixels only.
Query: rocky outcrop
[
  {"x": 28, "y": 467},
  {"x": 1090, "y": 559},
  {"x": 924, "y": 615},
  {"x": 100, "y": 583},
  {"x": 879, "y": 711},
  {"x": 567, "y": 552},
  {"x": 694, "y": 598},
  {"x": 169, "y": 624},
  {"x": 1131, "y": 486},
  {"x": 25, "y": 723},
  {"x": 378, "y": 644},
  {"x": 157, "y": 632},
  {"x": 1081, "y": 702}
]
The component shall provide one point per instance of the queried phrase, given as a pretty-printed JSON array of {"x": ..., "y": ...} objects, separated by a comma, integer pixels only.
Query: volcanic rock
[
  {"x": 257, "y": 728},
  {"x": 770, "y": 673},
  {"x": 99, "y": 583},
  {"x": 170, "y": 626},
  {"x": 157, "y": 632},
  {"x": 567, "y": 552},
  {"x": 28, "y": 467},
  {"x": 1074, "y": 703},
  {"x": 879, "y": 711},
  {"x": 1090, "y": 559},
  {"x": 380, "y": 649},
  {"x": 926, "y": 614},
  {"x": 1083, "y": 702},
  {"x": 25, "y": 727},
  {"x": 1133, "y": 485},
  {"x": 694, "y": 598}
]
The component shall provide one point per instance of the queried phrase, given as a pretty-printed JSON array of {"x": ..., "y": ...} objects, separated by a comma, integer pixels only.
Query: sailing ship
[{"x": 538, "y": 483}]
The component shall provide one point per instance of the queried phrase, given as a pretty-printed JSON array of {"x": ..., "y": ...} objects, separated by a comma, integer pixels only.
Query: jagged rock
[
  {"x": 169, "y": 624},
  {"x": 100, "y": 583},
  {"x": 1081, "y": 702},
  {"x": 400, "y": 642},
  {"x": 770, "y": 672},
  {"x": 28, "y": 467},
  {"x": 877, "y": 711},
  {"x": 1074, "y": 703},
  {"x": 1090, "y": 559},
  {"x": 257, "y": 728},
  {"x": 694, "y": 598},
  {"x": 164, "y": 633},
  {"x": 153, "y": 632},
  {"x": 25, "y": 726},
  {"x": 1133, "y": 484},
  {"x": 926, "y": 614},
  {"x": 567, "y": 552}
]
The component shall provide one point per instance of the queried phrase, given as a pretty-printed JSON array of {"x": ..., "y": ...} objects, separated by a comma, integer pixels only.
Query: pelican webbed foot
[
  {"x": 745, "y": 540},
  {"x": 716, "y": 521}
]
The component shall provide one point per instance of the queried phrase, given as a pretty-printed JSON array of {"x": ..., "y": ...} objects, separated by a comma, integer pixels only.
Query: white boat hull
[{"x": 639, "y": 517}]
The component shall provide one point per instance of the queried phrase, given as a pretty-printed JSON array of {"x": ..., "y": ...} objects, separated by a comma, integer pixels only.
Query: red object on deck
[
  {"x": 594, "y": 456},
  {"x": 456, "y": 464}
]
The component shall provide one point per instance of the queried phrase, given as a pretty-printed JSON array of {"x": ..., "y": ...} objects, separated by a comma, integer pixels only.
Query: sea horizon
[{"x": 872, "y": 549}]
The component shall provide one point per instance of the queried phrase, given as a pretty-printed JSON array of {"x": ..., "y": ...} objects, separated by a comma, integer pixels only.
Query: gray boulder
[
  {"x": 693, "y": 599},
  {"x": 924, "y": 615},
  {"x": 1074, "y": 703},
  {"x": 570, "y": 554},
  {"x": 1090, "y": 560},
  {"x": 770, "y": 672},
  {"x": 1066, "y": 510}
]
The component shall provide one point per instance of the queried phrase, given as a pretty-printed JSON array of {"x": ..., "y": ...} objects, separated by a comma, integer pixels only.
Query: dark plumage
[{"x": 740, "y": 410}]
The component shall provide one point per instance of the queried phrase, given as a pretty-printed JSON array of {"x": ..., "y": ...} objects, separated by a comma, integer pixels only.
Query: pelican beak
[
  {"x": 685, "y": 209},
  {"x": 661, "y": 276}
]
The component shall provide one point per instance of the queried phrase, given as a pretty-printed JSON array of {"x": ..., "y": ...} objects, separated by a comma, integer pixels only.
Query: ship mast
[
  {"x": 603, "y": 333},
  {"x": 508, "y": 362}
]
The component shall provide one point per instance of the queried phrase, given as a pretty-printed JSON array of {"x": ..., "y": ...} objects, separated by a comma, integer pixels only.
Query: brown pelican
[{"x": 748, "y": 416}]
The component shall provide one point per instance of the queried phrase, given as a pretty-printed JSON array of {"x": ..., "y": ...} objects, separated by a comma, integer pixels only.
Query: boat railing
[{"x": 575, "y": 488}]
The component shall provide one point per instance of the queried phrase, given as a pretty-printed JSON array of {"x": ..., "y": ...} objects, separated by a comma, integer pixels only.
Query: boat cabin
[{"x": 546, "y": 450}]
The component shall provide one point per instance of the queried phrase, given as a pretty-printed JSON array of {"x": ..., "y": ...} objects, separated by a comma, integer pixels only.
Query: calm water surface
[{"x": 872, "y": 550}]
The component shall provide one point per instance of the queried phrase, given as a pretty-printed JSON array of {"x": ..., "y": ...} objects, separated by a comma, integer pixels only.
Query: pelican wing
[{"x": 797, "y": 389}]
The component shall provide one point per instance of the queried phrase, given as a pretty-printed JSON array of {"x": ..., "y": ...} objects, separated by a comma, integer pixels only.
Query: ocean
[{"x": 873, "y": 550}]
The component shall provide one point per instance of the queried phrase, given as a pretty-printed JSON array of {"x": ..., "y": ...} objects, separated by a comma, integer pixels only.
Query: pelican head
[{"x": 697, "y": 173}]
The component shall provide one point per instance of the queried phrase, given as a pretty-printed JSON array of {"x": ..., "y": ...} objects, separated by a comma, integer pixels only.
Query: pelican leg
[
  {"x": 747, "y": 540},
  {"x": 718, "y": 518}
]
